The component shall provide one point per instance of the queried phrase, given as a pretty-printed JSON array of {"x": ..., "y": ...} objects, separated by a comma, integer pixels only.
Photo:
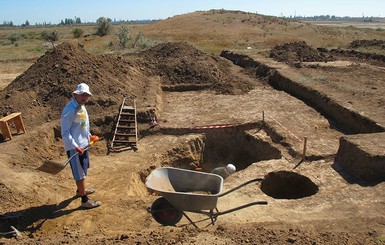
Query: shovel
[{"x": 53, "y": 167}]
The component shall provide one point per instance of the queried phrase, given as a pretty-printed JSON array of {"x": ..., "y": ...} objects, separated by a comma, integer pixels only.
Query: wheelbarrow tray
[{"x": 186, "y": 190}]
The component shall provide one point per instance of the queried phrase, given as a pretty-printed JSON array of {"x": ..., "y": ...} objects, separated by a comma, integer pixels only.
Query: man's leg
[
  {"x": 81, "y": 187},
  {"x": 79, "y": 166},
  {"x": 82, "y": 190}
]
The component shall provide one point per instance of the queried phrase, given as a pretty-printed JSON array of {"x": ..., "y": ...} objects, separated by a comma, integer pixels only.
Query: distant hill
[{"x": 215, "y": 30}]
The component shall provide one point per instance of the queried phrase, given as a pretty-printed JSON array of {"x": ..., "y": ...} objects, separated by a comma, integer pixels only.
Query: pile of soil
[
  {"x": 297, "y": 52},
  {"x": 183, "y": 67},
  {"x": 357, "y": 56},
  {"x": 367, "y": 43},
  {"x": 42, "y": 91},
  {"x": 294, "y": 52}
]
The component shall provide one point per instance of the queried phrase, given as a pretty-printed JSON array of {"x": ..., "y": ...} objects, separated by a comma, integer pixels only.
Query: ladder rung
[
  {"x": 126, "y": 127},
  {"x": 125, "y": 120},
  {"x": 125, "y": 124},
  {"x": 124, "y": 141},
  {"x": 123, "y": 134}
]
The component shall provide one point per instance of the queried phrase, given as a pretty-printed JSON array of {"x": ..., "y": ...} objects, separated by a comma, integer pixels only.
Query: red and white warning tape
[
  {"x": 216, "y": 126},
  {"x": 292, "y": 134}
]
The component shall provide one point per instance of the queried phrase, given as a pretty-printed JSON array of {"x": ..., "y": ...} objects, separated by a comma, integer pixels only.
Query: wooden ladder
[{"x": 125, "y": 135}]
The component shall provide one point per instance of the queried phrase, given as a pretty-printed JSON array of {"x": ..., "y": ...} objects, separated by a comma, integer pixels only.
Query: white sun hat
[{"x": 82, "y": 88}]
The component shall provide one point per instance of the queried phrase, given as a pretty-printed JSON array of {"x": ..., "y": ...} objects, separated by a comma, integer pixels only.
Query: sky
[{"x": 54, "y": 11}]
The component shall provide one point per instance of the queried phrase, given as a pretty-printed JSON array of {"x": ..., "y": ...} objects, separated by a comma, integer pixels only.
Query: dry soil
[{"x": 211, "y": 111}]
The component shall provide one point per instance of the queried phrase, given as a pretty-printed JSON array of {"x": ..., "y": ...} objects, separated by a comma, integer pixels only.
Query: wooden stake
[{"x": 304, "y": 148}]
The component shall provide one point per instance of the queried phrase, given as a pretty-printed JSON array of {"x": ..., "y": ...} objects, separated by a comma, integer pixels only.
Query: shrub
[
  {"x": 138, "y": 38},
  {"x": 77, "y": 32},
  {"x": 50, "y": 35},
  {"x": 104, "y": 26},
  {"x": 14, "y": 37},
  {"x": 147, "y": 43},
  {"x": 124, "y": 36}
]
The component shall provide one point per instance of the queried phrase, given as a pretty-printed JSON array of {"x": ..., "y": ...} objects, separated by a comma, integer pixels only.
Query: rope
[{"x": 292, "y": 134}]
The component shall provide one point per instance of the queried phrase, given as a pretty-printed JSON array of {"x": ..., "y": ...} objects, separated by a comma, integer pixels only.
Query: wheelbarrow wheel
[{"x": 165, "y": 213}]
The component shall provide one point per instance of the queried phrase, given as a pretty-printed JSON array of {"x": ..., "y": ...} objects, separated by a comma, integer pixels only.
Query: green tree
[
  {"x": 7, "y": 23},
  {"x": 104, "y": 26}
]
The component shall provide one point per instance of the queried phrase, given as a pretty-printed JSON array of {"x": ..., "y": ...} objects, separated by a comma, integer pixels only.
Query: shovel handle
[{"x": 77, "y": 153}]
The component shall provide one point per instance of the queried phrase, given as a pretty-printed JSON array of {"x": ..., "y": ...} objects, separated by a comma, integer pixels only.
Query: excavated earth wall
[
  {"x": 347, "y": 119},
  {"x": 362, "y": 154}
]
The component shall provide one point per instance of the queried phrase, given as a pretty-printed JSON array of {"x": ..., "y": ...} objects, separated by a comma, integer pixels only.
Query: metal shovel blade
[{"x": 52, "y": 167}]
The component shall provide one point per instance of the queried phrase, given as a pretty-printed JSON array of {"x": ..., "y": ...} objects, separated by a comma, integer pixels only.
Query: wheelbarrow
[{"x": 188, "y": 191}]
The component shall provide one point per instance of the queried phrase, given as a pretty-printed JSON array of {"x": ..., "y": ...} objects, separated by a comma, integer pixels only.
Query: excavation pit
[
  {"x": 237, "y": 147},
  {"x": 288, "y": 185},
  {"x": 219, "y": 147}
]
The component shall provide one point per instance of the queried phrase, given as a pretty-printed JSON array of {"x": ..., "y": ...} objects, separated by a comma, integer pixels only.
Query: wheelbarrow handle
[
  {"x": 240, "y": 207},
  {"x": 236, "y": 188}
]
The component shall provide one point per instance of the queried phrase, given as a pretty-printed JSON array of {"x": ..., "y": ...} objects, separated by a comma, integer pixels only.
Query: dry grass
[
  {"x": 10, "y": 70},
  {"x": 211, "y": 31},
  {"x": 217, "y": 30}
]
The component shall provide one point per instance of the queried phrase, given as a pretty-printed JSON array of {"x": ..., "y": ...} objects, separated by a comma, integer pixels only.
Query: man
[{"x": 75, "y": 131}]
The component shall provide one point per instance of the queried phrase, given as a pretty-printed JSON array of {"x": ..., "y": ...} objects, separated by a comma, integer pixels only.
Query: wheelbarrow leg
[
  {"x": 213, "y": 216},
  {"x": 192, "y": 222}
]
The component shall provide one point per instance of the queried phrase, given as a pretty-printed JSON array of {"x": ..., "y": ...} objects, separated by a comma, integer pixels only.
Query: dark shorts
[{"x": 79, "y": 164}]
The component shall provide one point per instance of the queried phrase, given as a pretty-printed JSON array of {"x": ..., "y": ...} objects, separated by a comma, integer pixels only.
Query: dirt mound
[
  {"x": 41, "y": 92},
  {"x": 183, "y": 67},
  {"x": 297, "y": 52},
  {"x": 367, "y": 43},
  {"x": 356, "y": 56}
]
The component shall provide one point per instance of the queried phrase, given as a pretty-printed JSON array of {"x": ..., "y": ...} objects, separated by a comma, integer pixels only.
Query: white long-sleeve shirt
[{"x": 75, "y": 126}]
